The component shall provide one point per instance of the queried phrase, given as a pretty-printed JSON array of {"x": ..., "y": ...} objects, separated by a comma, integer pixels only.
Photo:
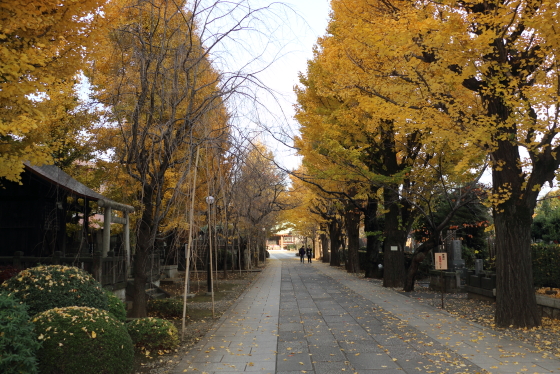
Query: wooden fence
[{"x": 109, "y": 271}]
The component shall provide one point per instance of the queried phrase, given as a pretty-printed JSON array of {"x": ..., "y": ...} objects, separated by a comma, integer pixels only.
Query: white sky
[
  {"x": 284, "y": 75},
  {"x": 303, "y": 22},
  {"x": 286, "y": 37},
  {"x": 311, "y": 24}
]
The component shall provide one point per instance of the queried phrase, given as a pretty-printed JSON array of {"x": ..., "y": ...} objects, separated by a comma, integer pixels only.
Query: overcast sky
[
  {"x": 305, "y": 21},
  {"x": 286, "y": 33}
]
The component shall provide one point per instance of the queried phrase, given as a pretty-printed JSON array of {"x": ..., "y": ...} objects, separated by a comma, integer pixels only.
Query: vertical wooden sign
[{"x": 441, "y": 261}]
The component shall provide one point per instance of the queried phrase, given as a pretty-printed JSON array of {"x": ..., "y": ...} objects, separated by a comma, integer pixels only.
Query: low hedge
[
  {"x": 46, "y": 287},
  {"x": 82, "y": 340},
  {"x": 546, "y": 265},
  {"x": 116, "y": 306},
  {"x": 165, "y": 308},
  {"x": 153, "y": 334}
]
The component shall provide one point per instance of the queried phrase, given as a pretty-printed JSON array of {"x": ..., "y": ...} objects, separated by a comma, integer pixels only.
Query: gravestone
[
  {"x": 456, "y": 259},
  {"x": 478, "y": 265}
]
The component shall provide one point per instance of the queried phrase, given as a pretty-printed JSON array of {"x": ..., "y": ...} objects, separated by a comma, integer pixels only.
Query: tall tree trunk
[
  {"x": 395, "y": 239},
  {"x": 248, "y": 254},
  {"x": 334, "y": 234},
  {"x": 144, "y": 249},
  {"x": 352, "y": 223},
  {"x": 371, "y": 227},
  {"x": 139, "y": 305},
  {"x": 419, "y": 255},
  {"x": 262, "y": 250},
  {"x": 515, "y": 296},
  {"x": 324, "y": 248}
]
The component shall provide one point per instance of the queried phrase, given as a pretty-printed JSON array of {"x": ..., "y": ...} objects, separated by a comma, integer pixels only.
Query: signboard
[
  {"x": 289, "y": 239},
  {"x": 394, "y": 248},
  {"x": 441, "y": 261}
]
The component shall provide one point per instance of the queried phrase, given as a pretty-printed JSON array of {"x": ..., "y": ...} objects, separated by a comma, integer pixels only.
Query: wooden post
[
  {"x": 56, "y": 257},
  {"x": 128, "y": 269},
  {"x": 189, "y": 246},
  {"x": 442, "y": 288},
  {"x": 111, "y": 257},
  {"x": 106, "y": 231},
  {"x": 17, "y": 259}
]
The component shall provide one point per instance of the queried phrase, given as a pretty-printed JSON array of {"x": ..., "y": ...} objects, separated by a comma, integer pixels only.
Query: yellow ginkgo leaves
[{"x": 43, "y": 43}]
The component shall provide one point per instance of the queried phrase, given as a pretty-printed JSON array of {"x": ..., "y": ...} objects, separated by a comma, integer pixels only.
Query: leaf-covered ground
[
  {"x": 199, "y": 319},
  {"x": 546, "y": 339}
]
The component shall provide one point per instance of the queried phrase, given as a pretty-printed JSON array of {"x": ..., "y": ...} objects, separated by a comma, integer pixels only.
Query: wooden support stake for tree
[{"x": 189, "y": 247}]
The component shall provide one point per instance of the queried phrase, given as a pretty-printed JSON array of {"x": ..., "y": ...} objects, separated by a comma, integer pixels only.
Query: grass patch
[{"x": 198, "y": 314}]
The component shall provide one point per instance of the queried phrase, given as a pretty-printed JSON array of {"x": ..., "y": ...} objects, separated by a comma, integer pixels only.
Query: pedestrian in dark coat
[
  {"x": 301, "y": 254},
  {"x": 309, "y": 252}
]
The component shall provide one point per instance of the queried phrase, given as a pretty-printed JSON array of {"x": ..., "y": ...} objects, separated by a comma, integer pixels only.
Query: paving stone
[
  {"x": 371, "y": 361},
  {"x": 326, "y": 354},
  {"x": 348, "y": 323},
  {"x": 332, "y": 367}
]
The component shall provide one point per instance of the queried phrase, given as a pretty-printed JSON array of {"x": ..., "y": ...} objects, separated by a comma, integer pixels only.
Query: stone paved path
[{"x": 312, "y": 318}]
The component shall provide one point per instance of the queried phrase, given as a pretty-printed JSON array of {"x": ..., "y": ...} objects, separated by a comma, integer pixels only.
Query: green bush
[
  {"x": 46, "y": 287},
  {"x": 116, "y": 306},
  {"x": 153, "y": 334},
  {"x": 18, "y": 343},
  {"x": 166, "y": 308},
  {"x": 82, "y": 340},
  {"x": 546, "y": 265}
]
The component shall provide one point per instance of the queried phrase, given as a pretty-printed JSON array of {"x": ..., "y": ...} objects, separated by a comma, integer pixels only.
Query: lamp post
[{"x": 264, "y": 248}]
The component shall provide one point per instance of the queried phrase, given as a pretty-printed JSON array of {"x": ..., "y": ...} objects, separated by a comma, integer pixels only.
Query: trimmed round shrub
[
  {"x": 55, "y": 286},
  {"x": 82, "y": 340},
  {"x": 165, "y": 308},
  {"x": 18, "y": 342},
  {"x": 153, "y": 334},
  {"x": 116, "y": 306}
]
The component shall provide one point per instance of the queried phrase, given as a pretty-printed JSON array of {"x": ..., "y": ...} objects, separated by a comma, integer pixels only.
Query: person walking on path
[
  {"x": 309, "y": 252},
  {"x": 301, "y": 254}
]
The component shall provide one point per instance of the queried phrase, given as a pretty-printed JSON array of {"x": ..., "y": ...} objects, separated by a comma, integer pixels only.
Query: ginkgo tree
[
  {"x": 382, "y": 156},
  {"x": 258, "y": 194},
  {"x": 69, "y": 130},
  {"x": 309, "y": 215},
  {"x": 476, "y": 74},
  {"x": 42, "y": 44},
  {"x": 155, "y": 76},
  {"x": 165, "y": 75}
]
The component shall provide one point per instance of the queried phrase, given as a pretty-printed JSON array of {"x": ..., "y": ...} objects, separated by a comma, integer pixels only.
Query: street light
[{"x": 264, "y": 248}]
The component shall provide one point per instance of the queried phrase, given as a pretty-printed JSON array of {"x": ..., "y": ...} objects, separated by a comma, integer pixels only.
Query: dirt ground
[{"x": 199, "y": 316}]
